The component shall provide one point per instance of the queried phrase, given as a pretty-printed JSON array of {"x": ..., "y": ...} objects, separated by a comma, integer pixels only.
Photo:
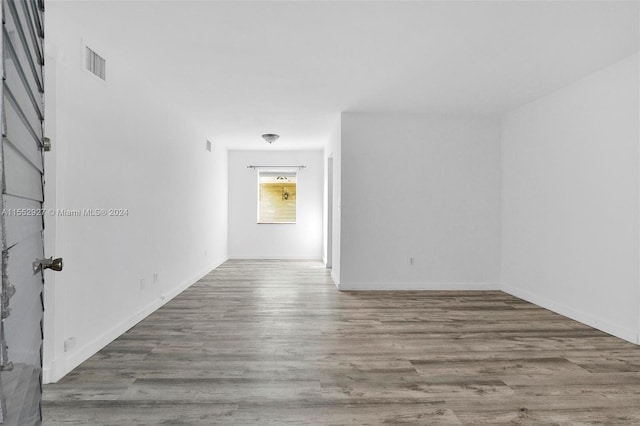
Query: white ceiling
[{"x": 290, "y": 67}]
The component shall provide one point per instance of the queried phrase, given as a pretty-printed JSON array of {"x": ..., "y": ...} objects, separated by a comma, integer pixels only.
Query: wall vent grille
[{"x": 96, "y": 64}]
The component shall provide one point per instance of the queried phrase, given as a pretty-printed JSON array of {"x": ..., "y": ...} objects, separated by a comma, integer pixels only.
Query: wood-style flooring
[{"x": 274, "y": 343}]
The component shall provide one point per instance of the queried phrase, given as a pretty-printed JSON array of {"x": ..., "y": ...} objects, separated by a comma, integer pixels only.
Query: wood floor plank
[{"x": 274, "y": 342}]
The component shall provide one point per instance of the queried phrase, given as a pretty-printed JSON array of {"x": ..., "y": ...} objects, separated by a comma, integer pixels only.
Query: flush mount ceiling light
[{"x": 270, "y": 137}]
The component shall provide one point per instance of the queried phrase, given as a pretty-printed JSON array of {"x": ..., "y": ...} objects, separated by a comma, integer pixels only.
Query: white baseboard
[
  {"x": 407, "y": 286},
  {"x": 48, "y": 373},
  {"x": 259, "y": 257},
  {"x": 335, "y": 279},
  {"x": 586, "y": 318},
  {"x": 58, "y": 368}
]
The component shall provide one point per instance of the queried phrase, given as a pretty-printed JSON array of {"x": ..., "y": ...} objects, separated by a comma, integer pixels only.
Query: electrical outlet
[
  {"x": 411, "y": 261},
  {"x": 205, "y": 252},
  {"x": 143, "y": 283},
  {"x": 155, "y": 277},
  {"x": 69, "y": 344}
]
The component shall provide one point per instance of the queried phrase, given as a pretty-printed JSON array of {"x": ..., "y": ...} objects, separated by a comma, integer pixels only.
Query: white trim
[
  {"x": 335, "y": 279},
  {"x": 275, "y": 257},
  {"x": 328, "y": 211},
  {"x": 637, "y": 340},
  {"x": 58, "y": 368},
  {"x": 387, "y": 286},
  {"x": 586, "y": 318},
  {"x": 48, "y": 372}
]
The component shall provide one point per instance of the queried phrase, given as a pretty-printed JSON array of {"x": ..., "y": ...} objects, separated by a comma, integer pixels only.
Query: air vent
[
  {"x": 96, "y": 64},
  {"x": 209, "y": 146}
]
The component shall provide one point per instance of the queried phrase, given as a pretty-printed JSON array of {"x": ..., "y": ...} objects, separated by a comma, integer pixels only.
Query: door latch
[{"x": 50, "y": 263}]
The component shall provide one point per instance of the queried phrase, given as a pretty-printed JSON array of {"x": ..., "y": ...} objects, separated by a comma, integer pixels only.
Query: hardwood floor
[{"x": 274, "y": 342}]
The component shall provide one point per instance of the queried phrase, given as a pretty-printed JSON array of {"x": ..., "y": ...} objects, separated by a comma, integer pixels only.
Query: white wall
[
  {"x": 121, "y": 144},
  {"x": 570, "y": 200},
  {"x": 420, "y": 186},
  {"x": 250, "y": 240}
]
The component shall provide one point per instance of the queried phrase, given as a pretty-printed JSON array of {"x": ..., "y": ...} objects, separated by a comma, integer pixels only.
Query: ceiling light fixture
[{"x": 270, "y": 137}]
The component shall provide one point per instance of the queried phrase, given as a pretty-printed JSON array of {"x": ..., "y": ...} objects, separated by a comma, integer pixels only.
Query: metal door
[{"x": 21, "y": 220}]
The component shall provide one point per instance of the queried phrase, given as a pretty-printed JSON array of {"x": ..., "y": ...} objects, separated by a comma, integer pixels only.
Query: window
[{"x": 277, "y": 197}]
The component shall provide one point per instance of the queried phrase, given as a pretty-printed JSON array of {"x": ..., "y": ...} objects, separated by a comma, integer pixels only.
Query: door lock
[{"x": 50, "y": 263}]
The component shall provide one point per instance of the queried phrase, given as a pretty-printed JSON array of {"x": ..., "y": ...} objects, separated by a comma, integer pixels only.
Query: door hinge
[
  {"x": 50, "y": 263},
  {"x": 46, "y": 144}
]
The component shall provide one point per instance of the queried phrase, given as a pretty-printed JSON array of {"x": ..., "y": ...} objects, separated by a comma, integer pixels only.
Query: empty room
[{"x": 320, "y": 212}]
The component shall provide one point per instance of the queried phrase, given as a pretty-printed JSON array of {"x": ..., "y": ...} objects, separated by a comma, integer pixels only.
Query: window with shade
[{"x": 277, "y": 197}]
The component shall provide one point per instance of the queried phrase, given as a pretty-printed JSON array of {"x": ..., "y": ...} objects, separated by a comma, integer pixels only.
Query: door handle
[{"x": 50, "y": 263}]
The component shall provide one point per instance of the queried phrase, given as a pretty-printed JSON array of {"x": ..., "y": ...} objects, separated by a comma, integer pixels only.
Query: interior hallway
[{"x": 274, "y": 342}]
